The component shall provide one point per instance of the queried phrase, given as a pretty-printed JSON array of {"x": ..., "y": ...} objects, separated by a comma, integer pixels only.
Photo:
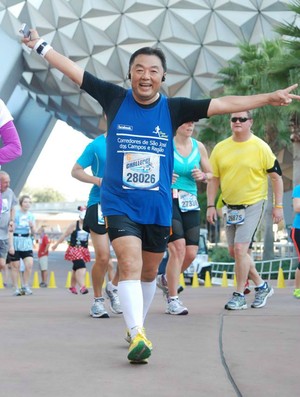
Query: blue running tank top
[
  {"x": 139, "y": 163},
  {"x": 183, "y": 166}
]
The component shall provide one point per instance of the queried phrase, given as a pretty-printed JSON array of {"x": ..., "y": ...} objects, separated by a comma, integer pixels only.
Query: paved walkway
[{"x": 51, "y": 347}]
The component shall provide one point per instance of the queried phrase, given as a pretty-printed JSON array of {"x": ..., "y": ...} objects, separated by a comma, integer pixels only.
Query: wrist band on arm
[
  {"x": 211, "y": 206},
  {"x": 42, "y": 47},
  {"x": 278, "y": 206}
]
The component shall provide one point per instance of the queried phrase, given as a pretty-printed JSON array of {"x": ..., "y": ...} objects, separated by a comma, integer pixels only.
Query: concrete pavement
[{"x": 50, "y": 346}]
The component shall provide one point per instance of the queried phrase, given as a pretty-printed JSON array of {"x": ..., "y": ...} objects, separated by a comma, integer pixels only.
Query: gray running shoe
[
  {"x": 114, "y": 303},
  {"x": 261, "y": 296},
  {"x": 17, "y": 292},
  {"x": 26, "y": 290},
  {"x": 237, "y": 302},
  {"x": 162, "y": 284},
  {"x": 174, "y": 306},
  {"x": 98, "y": 309}
]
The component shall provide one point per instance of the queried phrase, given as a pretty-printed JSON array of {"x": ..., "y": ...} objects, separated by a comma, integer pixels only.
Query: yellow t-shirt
[{"x": 242, "y": 169}]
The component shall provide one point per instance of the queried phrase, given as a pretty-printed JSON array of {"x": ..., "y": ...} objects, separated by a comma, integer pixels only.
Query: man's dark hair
[{"x": 149, "y": 51}]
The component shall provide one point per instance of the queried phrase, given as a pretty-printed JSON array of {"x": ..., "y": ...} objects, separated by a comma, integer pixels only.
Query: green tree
[
  {"x": 290, "y": 67},
  {"x": 45, "y": 195},
  {"x": 255, "y": 71}
]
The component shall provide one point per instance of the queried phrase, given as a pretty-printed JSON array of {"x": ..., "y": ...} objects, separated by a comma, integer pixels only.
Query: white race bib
[
  {"x": 235, "y": 217},
  {"x": 187, "y": 201},
  {"x": 141, "y": 171}
]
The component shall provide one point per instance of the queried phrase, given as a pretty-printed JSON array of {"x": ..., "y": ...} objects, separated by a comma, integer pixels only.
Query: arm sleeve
[
  {"x": 12, "y": 148},
  {"x": 183, "y": 110},
  {"x": 103, "y": 91}
]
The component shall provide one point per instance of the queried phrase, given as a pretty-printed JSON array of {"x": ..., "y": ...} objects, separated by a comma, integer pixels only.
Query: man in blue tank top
[{"x": 136, "y": 189}]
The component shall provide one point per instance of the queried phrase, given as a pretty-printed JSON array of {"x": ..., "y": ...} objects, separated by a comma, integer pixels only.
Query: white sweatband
[{"x": 42, "y": 47}]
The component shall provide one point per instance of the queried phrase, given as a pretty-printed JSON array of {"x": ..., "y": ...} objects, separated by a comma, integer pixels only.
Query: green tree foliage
[
  {"x": 290, "y": 67},
  {"x": 45, "y": 195},
  {"x": 258, "y": 69}
]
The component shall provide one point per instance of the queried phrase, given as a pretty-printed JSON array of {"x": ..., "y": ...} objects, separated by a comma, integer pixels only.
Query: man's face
[
  {"x": 5, "y": 181},
  {"x": 240, "y": 122},
  {"x": 146, "y": 76}
]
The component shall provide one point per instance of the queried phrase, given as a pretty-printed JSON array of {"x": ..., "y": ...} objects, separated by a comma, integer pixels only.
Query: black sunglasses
[{"x": 240, "y": 119}]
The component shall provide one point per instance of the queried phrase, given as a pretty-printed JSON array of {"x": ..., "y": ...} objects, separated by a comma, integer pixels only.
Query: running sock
[
  {"x": 148, "y": 295},
  {"x": 131, "y": 299},
  {"x": 262, "y": 285}
]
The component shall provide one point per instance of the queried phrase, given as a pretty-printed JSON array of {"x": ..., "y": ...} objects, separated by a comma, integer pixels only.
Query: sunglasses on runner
[{"x": 240, "y": 119}]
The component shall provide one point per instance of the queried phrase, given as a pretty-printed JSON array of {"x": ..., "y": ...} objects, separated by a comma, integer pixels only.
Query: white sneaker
[
  {"x": 17, "y": 292},
  {"x": 98, "y": 309},
  {"x": 114, "y": 300},
  {"x": 27, "y": 290},
  {"x": 174, "y": 306}
]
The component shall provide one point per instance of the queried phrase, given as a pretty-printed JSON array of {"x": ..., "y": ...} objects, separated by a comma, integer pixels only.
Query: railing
[{"x": 268, "y": 270}]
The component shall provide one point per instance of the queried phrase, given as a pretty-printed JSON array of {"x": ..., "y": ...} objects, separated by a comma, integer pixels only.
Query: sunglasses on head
[{"x": 240, "y": 119}]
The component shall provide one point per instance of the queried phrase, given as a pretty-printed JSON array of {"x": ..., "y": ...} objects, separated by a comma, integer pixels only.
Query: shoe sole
[
  {"x": 114, "y": 311},
  {"x": 104, "y": 315},
  {"x": 183, "y": 313},
  {"x": 140, "y": 353},
  {"x": 145, "y": 361},
  {"x": 264, "y": 301},
  {"x": 236, "y": 308},
  {"x": 84, "y": 292}
]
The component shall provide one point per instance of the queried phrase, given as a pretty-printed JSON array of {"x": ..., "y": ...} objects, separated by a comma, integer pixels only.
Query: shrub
[{"x": 220, "y": 254}]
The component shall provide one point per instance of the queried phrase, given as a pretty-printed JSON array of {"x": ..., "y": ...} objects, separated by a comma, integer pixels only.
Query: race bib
[
  {"x": 100, "y": 216},
  {"x": 235, "y": 217},
  {"x": 187, "y": 201},
  {"x": 141, "y": 171}
]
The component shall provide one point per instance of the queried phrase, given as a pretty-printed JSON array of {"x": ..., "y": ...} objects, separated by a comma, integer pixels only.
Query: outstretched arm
[
  {"x": 231, "y": 104},
  {"x": 55, "y": 59}
]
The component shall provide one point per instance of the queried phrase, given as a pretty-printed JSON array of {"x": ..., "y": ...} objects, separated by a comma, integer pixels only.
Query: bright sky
[{"x": 61, "y": 151}]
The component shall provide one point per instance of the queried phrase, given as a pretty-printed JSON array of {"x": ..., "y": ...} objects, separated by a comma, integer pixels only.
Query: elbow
[{"x": 19, "y": 151}]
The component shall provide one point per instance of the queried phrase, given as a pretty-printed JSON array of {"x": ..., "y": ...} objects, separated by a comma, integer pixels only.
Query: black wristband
[{"x": 211, "y": 206}]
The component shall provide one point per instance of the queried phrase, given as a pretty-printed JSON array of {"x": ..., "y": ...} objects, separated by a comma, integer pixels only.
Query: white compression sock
[
  {"x": 148, "y": 295},
  {"x": 131, "y": 299}
]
